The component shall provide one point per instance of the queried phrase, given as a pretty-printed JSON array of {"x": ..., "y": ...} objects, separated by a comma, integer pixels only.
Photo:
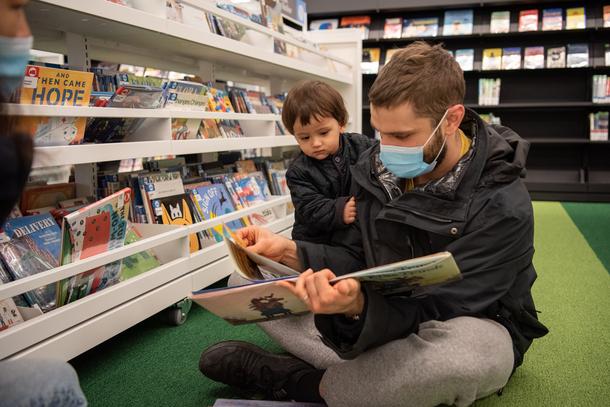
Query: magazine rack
[{"x": 101, "y": 30}]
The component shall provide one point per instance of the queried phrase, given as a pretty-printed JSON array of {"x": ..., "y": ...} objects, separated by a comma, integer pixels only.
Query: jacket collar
[{"x": 435, "y": 203}]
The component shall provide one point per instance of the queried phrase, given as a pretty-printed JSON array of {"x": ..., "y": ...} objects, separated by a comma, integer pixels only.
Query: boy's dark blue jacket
[{"x": 320, "y": 188}]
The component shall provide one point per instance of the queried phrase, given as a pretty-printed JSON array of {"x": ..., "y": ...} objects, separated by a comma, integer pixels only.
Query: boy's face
[
  {"x": 401, "y": 126},
  {"x": 320, "y": 138}
]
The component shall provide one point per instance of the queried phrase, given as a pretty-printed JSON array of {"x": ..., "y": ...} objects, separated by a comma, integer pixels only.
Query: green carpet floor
[{"x": 155, "y": 365}]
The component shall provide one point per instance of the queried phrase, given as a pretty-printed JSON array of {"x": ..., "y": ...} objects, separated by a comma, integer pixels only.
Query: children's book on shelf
[
  {"x": 576, "y": 18},
  {"x": 420, "y": 27},
  {"x": 500, "y": 22},
  {"x": 157, "y": 185},
  {"x": 600, "y": 89},
  {"x": 606, "y": 16},
  {"x": 370, "y": 60},
  {"x": 533, "y": 58},
  {"x": 552, "y": 19},
  {"x": 465, "y": 58},
  {"x": 511, "y": 58},
  {"x": 492, "y": 59},
  {"x": 186, "y": 95},
  {"x": 263, "y": 299},
  {"x": 41, "y": 196},
  {"x": 324, "y": 24},
  {"x": 185, "y": 129},
  {"x": 599, "y": 126},
  {"x": 212, "y": 201},
  {"x": 177, "y": 210},
  {"x": 578, "y": 56},
  {"x": 34, "y": 247},
  {"x": 556, "y": 57},
  {"x": 392, "y": 27},
  {"x": 363, "y": 23},
  {"x": 489, "y": 91},
  {"x": 93, "y": 229},
  {"x": 55, "y": 87},
  {"x": 458, "y": 22},
  {"x": 9, "y": 314},
  {"x": 528, "y": 20}
]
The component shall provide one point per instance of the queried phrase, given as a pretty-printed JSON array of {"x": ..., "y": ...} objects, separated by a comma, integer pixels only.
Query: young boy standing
[{"x": 319, "y": 178}]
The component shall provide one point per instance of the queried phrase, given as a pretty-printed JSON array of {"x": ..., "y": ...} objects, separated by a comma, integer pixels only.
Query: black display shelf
[{"x": 550, "y": 107}]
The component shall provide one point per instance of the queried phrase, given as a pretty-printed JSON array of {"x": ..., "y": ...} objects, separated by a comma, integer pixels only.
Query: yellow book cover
[
  {"x": 575, "y": 18},
  {"x": 51, "y": 86},
  {"x": 492, "y": 59}
]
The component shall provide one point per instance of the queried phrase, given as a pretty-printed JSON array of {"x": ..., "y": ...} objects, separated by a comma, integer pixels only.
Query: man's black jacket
[
  {"x": 480, "y": 212},
  {"x": 320, "y": 188}
]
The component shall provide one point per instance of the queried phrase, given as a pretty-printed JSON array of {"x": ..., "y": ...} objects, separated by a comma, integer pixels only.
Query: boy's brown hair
[
  {"x": 426, "y": 76},
  {"x": 312, "y": 99}
]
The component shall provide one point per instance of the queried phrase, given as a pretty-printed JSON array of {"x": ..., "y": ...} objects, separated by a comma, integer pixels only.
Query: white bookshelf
[{"x": 98, "y": 29}]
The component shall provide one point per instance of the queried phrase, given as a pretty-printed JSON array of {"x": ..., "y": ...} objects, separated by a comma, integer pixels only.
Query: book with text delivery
[{"x": 264, "y": 300}]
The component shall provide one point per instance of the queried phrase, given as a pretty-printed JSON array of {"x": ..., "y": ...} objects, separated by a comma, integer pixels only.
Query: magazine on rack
[{"x": 263, "y": 299}]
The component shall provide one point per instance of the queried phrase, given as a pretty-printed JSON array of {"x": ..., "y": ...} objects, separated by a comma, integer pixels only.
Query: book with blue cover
[
  {"x": 420, "y": 27},
  {"x": 42, "y": 229},
  {"x": 458, "y": 22},
  {"x": 212, "y": 201}
]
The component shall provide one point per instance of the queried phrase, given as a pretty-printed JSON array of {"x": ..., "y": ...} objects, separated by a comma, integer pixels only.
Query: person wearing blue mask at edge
[
  {"x": 441, "y": 179},
  {"x": 24, "y": 382}
]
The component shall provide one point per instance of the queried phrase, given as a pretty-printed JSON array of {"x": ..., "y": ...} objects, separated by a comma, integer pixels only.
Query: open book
[{"x": 264, "y": 300}]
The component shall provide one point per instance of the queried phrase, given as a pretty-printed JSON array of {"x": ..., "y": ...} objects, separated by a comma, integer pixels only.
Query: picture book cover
[
  {"x": 94, "y": 229},
  {"x": 578, "y": 55},
  {"x": 492, "y": 59},
  {"x": 370, "y": 60},
  {"x": 465, "y": 58},
  {"x": 552, "y": 19},
  {"x": 212, "y": 201},
  {"x": 186, "y": 95},
  {"x": 556, "y": 57},
  {"x": 158, "y": 185},
  {"x": 50, "y": 86},
  {"x": 576, "y": 18},
  {"x": 23, "y": 257},
  {"x": 500, "y": 22},
  {"x": 324, "y": 24},
  {"x": 363, "y": 23},
  {"x": 606, "y": 16},
  {"x": 392, "y": 27},
  {"x": 185, "y": 129},
  {"x": 9, "y": 314},
  {"x": 458, "y": 22},
  {"x": 265, "y": 300},
  {"x": 533, "y": 58},
  {"x": 42, "y": 229},
  {"x": 41, "y": 196},
  {"x": 420, "y": 27},
  {"x": 528, "y": 20},
  {"x": 177, "y": 210},
  {"x": 209, "y": 128},
  {"x": 511, "y": 58},
  {"x": 251, "y": 194}
]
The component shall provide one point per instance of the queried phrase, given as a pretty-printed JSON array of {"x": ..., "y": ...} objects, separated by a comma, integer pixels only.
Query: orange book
[{"x": 55, "y": 87}]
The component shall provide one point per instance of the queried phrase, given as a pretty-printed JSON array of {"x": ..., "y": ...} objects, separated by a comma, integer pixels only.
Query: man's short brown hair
[
  {"x": 312, "y": 99},
  {"x": 426, "y": 76}
]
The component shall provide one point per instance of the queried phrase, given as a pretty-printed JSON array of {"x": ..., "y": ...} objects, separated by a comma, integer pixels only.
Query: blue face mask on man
[
  {"x": 14, "y": 56},
  {"x": 408, "y": 162}
]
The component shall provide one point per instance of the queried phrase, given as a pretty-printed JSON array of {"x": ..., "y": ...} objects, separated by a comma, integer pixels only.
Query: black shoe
[{"x": 250, "y": 368}]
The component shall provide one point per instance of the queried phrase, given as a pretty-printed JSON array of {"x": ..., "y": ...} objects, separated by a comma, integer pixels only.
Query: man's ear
[{"x": 454, "y": 118}]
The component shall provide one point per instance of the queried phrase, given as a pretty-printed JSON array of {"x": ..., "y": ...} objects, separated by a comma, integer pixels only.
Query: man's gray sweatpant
[{"x": 453, "y": 362}]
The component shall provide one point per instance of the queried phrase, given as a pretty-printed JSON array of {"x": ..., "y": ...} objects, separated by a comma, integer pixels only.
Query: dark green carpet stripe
[
  {"x": 593, "y": 221},
  {"x": 155, "y": 365}
]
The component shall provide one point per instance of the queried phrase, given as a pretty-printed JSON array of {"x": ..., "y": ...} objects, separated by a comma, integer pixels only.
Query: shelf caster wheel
[{"x": 176, "y": 314}]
